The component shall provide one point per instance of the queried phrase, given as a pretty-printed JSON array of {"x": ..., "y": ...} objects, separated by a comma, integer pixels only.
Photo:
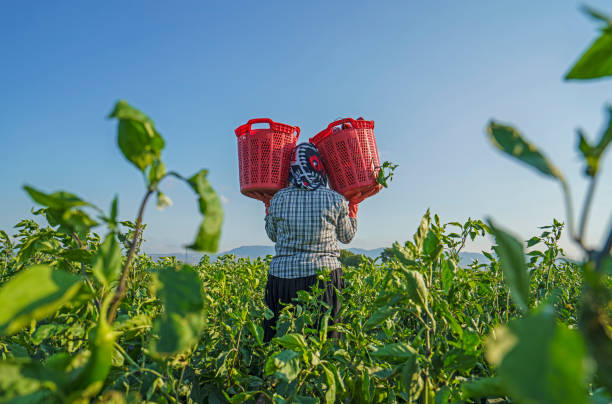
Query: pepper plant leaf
[
  {"x": 106, "y": 264},
  {"x": 33, "y": 294},
  {"x": 511, "y": 142},
  {"x": 512, "y": 258},
  {"x": 137, "y": 138},
  {"x": 209, "y": 232},
  {"x": 596, "y": 61},
  {"x": 557, "y": 371},
  {"x": 181, "y": 322}
]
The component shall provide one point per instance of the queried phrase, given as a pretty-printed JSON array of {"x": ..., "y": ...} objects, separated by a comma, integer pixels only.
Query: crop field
[{"x": 86, "y": 317}]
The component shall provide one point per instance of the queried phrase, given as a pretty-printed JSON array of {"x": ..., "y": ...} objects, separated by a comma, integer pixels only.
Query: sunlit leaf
[
  {"x": 209, "y": 233},
  {"x": 140, "y": 143},
  {"x": 512, "y": 258},
  {"x": 511, "y": 142},
  {"x": 181, "y": 322},
  {"x": 546, "y": 361},
  {"x": 394, "y": 353},
  {"x": 33, "y": 294},
  {"x": 596, "y": 61},
  {"x": 107, "y": 262}
]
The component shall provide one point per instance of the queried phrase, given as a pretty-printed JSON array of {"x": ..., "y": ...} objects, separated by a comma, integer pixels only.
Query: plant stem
[
  {"x": 121, "y": 289},
  {"x": 605, "y": 252},
  {"x": 587, "y": 207}
]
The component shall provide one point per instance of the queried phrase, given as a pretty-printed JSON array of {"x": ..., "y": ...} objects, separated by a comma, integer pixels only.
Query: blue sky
[{"x": 430, "y": 74}]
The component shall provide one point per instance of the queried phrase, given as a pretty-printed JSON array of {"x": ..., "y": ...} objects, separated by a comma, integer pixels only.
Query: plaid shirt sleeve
[
  {"x": 270, "y": 228},
  {"x": 346, "y": 226}
]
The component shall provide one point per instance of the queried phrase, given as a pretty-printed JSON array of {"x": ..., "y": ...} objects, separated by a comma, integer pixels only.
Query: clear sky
[{"x": 430, "y": 74}]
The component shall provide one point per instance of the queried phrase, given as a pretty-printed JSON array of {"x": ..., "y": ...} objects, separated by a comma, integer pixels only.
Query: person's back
[{"x": 306, "y": 226}]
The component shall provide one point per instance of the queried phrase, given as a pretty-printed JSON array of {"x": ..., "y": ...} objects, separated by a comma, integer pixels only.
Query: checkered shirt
[{"x": 306, "y": 226}]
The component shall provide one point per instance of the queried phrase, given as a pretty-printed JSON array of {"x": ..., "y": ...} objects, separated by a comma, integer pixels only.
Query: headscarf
[{"x": 306, "y": 169}]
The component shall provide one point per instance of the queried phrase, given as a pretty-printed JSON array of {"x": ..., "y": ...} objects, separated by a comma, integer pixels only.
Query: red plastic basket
[
  {"x": 348, "y": 149},
  {"x": 263, "y": 157}
]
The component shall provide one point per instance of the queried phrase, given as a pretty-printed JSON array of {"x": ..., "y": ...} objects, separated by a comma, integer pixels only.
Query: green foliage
[
  {"x": 209, "y": 231},
  {"x": 512, "y": 258},
  {"x": 106, "y": 264},
  {"x": 511, "y": 142},
  {"x": 137, "y": 138},
  {"x": 33, "y": 294},
  {"x": 180, "y": 324},
  {"x": 557, "y": 371},
  {"x": 385, "y": 173},
  {"x": 596, "y": 61},
  {"x": 592, "y": 153}
]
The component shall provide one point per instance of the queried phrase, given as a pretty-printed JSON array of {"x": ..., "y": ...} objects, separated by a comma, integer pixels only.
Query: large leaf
[
  {"x": 543, "y": 363},
  {"x": 394, "y": 353},
  {"x": 596, "y": 61},
  {"x": 137, "y": 138},
  {"x": 295, "y": 342},
  {"x": 511, "y": 142},
  {"x": 181, "y": 322},
  {"x": 416, "y": 288},
  {"x": 107, "y": 262},
  {"x": 421, "y": 233},
  {"x": 330, "y": 380},
  {"x": 209, "y": 233},
  {"x": 512, "y": 258},
  {"x": 60, "y": 200},
  {"x": 34, "y": 294},
  {"x": 61, "y": 210},
  {"x": 285, "y": 365}
]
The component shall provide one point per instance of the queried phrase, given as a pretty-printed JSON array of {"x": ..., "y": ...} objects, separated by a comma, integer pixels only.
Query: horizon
[{"x": 430, "y": 81}]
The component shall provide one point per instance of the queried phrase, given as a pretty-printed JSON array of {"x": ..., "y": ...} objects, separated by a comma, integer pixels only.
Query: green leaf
[
  {"x": 61, "y": 210},
  {"x": 380, "y": 315},
  {"x": 46, "y": 331},
  {"x": 457, "y": 359},
  {"x": 483, "y": 387},
  {"x": 181, "y": 322},
  {"x": 421, "y": 233},
  {"x": 432, "y": 247},
  {"x": 512, "y": 258},
  {"x": 106, "y": 264},
  {"x": 295, "y": 342},
  {"x": 394, "y": 353},
  {"x": 285, "y": 364},
  {"x": 140, "y": 143},
  {"x": 330, "y": 380},
  {"x": 448, "y": 275},
  {"x": 416, "y": 289},
  {"x": 556, "y": 371},
  {"x": 60, "y": 200},
  {"x": 596, "y": 61},
  {"x": 34, "y": 294},
  {"x": 592, "y": 154},
  {"x": 156, "y": 172},
  {"x": 511, "y": 142},
  {"x": 209, "y": 233}
]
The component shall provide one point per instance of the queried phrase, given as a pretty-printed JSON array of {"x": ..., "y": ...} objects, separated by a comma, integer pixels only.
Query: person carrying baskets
[{"x": 306, "y": 220}]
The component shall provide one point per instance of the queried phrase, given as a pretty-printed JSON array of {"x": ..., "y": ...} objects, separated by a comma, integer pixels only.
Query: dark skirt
[{"x": 281, "y": 291}]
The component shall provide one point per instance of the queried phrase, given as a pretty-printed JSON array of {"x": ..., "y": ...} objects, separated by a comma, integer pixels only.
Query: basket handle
[
  {"x": 340, "y": 122},
  {"x": 247, "y": 126}
]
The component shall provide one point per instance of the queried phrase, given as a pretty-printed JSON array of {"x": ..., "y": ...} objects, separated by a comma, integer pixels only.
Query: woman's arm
[
  {"x": 270, "y": 227},
  {"x": 346, "y": 226}
]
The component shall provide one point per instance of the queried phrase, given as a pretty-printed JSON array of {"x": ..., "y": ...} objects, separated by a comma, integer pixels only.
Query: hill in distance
[{"x": 254, "y": 251}]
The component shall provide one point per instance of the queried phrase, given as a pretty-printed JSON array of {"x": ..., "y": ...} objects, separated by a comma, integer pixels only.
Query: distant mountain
[{"x": 254, "y": 251}]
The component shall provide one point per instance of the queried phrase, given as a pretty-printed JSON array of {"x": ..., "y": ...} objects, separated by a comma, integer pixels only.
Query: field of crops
[{"x": 86, "y": 317}]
